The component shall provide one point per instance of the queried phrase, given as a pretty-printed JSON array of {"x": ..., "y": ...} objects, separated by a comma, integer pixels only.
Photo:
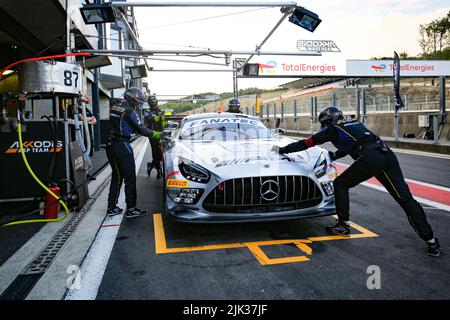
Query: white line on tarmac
[
  {"x": 425, "y": 184},
  {"x": 422, "y": 153},
  {"x": 419, "y": 199},
  {"x": 96, "y": 260}
]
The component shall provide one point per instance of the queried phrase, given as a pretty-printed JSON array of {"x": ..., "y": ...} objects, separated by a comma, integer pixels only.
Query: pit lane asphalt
[{"x": 336, "y": 270}]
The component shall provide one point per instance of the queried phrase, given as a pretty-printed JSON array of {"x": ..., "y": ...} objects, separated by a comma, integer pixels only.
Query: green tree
[{"x": 434, "y": 38}]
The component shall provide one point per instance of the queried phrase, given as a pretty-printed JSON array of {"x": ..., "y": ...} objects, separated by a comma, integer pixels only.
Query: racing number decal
[{"x": 70, "y": 78}]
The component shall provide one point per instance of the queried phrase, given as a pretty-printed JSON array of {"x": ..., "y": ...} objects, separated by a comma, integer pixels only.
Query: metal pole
[
  {"x": 196, "y": 70},
  {"x": 311, "y": 122},
  {"x": 333, "y": 99},
  {"x": 235, "y": 85},
  {"x": 358, "y": 104},
  {"x": 396, "y": 118},
  {"x": 442, "y": 107},
  {"x": 159, "y": 59},
  {"x": 202, "y": 4},
  {"x": 68, "y": 24},
  {"x": 66, "y": 144},
  {"x": 435, "y": 129},
  {"x": 96, "y": 93},
  {"x": 267, "y": 37},
  {"x": 131, "y": 32},
  {"x": 200, "y": 52},
  {"x": 364, "y": 107}
]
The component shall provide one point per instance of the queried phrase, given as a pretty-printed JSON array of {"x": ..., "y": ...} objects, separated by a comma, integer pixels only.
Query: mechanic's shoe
[
  {"x": 114, "y": 212},
  {"x": 158, "y": 174},
  {"x": 149, "y": 168},
  {"x": 434, "y": 249},
  {"x": 134, "y": 212},
  {"x": 340, "y": 229}
]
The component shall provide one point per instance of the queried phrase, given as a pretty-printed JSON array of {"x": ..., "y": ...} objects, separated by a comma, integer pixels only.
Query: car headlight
[
  {"x": 193, "y": 171},
  {"x": 320, "y": 168}
]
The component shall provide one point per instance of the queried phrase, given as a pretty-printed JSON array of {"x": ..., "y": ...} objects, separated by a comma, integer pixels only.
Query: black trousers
[
  {"x": 385, "y": 168},
  {"x": 156, "y": 153},
  {"x": 121, "y": 159}
]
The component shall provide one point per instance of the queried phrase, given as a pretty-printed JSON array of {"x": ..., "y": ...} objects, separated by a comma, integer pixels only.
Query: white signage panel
[
  {"x": 408, "y": 68},
  {"x": 300, "y": 66}
]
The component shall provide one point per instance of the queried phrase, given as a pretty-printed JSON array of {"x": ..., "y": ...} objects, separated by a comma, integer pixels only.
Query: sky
[{"x": 360, "y": 28}]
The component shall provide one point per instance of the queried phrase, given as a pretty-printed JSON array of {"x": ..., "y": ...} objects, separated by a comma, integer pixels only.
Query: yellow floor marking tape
[{"x": 255, "y": 246}]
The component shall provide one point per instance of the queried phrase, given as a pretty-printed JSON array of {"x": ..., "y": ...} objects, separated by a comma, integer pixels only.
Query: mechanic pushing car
[
  {"x": 123, "y": 123},
  {"x": 155, "y": 120},
  {"x": 234, "y": 106},
  {"x": 372, "y": 159}
]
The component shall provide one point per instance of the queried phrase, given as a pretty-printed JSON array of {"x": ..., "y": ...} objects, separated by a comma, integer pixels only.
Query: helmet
[
  {"x": 330, "y": 116},
  {"x": 135, "y": 97},
  {"x": 234, "y": 105},
  {"x": 152, "y": 101}
]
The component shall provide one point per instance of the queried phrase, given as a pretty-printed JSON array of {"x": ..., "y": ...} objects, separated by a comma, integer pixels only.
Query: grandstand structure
[{"x": 369, "y": 99}]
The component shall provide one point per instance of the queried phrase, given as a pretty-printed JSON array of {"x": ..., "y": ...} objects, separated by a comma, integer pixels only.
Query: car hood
[{"x": 236, "y": 156}]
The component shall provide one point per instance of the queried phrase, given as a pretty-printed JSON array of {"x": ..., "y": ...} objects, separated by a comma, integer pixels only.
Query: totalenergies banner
[
  {"x": 303, "y": 66},
  {"x": 300, "y": 66},
  {"x": 408, "y": 68}
]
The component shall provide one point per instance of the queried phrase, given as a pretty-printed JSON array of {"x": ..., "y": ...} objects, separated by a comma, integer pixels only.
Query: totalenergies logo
[
  {"x": 268, "y": 68},
  {"x": 379, "y": 68}
]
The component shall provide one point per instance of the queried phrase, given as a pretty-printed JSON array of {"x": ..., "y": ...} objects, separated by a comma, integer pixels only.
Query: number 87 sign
[{"x": 57, "y": 77}]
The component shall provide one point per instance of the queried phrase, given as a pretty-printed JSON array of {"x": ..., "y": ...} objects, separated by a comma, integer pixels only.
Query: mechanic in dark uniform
[
  {"x": 234, "y": 106},
  {"x": 123, "y": 123},
  {"x": 155, "y": 120},
  {"x": 372, "y": 159}
]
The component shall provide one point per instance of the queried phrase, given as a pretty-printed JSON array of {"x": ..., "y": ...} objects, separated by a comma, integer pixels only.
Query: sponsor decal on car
[
  {"x": 224, "y": 120},
  {"x": 174, "y": 183},
  {"x": 173, "y": 173}
]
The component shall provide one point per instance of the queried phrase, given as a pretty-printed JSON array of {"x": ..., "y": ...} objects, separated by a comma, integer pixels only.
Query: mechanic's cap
[
  {"x": 330, "y": 116},
  {"x": 152, "y": 101},
  {"x": 135, "y": 97}
]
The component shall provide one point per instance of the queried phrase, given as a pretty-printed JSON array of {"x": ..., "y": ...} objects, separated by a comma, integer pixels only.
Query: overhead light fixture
[
  {"x": 97, "y": 13},
  {"x": 138, "y": 72},
  {"x": 7, "y": 72},
  {"x": 251, "y": 69},
  {"x": 304, "y": 18}
]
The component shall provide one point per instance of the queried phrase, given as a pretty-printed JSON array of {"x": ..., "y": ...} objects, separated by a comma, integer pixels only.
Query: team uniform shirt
[
  {"x": 349, "y": 137},
  {"x": 124, "y": 122},
  {"x": 155, "y": 120}
]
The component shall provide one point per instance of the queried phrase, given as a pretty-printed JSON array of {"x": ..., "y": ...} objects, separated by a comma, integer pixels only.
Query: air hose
[{"x": 24, "y": 157}]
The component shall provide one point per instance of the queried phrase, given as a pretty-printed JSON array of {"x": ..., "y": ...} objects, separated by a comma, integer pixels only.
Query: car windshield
[{"x": 224, "y": 129}]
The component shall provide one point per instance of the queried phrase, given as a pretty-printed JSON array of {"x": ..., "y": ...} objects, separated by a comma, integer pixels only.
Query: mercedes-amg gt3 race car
[{"x": 219, "y": 167}]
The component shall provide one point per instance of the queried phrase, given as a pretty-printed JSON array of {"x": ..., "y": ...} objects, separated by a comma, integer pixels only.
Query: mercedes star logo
[{"x": 269, "y": 190}]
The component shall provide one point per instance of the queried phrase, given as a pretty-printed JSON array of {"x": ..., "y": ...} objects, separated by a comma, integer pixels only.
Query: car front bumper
[{"x": 190, "y": 215}]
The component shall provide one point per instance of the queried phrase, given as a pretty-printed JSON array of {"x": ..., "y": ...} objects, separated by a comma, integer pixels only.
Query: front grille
[{"x": 243, "y": 195}]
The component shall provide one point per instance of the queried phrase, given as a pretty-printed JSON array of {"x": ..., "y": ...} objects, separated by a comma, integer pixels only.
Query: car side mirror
[{"x": 279, "y": 131}]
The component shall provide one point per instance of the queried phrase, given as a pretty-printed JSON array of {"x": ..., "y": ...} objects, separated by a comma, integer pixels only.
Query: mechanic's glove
[
  {"x": 332, "y": 155},
  {"x": 278, "y": 150},
  {"x": 156, "y": 135}
]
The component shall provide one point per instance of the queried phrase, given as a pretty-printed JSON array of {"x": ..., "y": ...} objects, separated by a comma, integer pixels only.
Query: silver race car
[{"x": 219, "y": 167}]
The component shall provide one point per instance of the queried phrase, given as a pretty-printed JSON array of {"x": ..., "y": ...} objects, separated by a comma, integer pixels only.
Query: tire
[{"x": 164, "y": 188}]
